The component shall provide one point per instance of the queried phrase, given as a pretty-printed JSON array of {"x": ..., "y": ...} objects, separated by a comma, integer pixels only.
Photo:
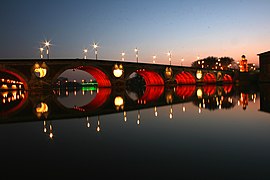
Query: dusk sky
[{"x": 187, "y": 28}]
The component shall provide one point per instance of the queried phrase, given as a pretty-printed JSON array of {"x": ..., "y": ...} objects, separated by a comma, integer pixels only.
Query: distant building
[
  {"x": 252, "y": 67},
  {"x": 264, "y": 63},
  {"x": 243, "y": 64}
]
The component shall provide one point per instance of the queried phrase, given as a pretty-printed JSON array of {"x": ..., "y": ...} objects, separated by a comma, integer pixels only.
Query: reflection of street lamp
[
  {"x": 51, "y": 131},
  {"x": 138, "y": 117},
  {"x": 95, "y": 46},
  {"x": 87, "y": 122},
  {"x": 171, "y": 112},
  {"x": 123, "y": 56},
  {"x": 98, "y": 124},
  {"x": 155, "y": 109},
  {"x": 85, "y": 53},
  {"x": 125, "y": 116},
  {"x": 170, "y": 57}
]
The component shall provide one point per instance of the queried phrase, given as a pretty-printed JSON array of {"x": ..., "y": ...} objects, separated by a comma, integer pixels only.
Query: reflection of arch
[
  {"x": 151, "y": 77},
  {"x": 101, "y": 78},
  {"x": 152, "y": 93},
  {"x": 17, "y": 106},
  {"x": 209, "y": 78},
  {"x": 227, "y": 88},
  {"x": 185, "y": 91},
  {"x": 227, "y": 78},
  {"x": 209, "y": 89},
  {"x": 20, "y": 78},
  {"x": 185, "y": 78},
  {"x": 101, "y": 97}
]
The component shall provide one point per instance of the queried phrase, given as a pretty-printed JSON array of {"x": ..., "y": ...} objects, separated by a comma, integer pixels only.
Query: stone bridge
[{"x": 31, "y": 74}]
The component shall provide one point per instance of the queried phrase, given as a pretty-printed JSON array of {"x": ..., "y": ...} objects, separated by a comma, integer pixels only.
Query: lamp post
[
  {"x": 85, "y": 52},
  {"x": 182, "y": 60},
  {"x": 95, "y": 46},
  {"x": 41, "y": 52},
  {"x": 170, "y": 57},
  {"x": 123, "y": 56},
  {"x": 137, "y": 54},
  {"x": 154, "y": 58},
  {"x": 47, "y": 45}
]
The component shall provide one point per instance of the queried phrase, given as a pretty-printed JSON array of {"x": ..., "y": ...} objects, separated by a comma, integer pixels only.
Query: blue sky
[{"x": 187, "y": 28}]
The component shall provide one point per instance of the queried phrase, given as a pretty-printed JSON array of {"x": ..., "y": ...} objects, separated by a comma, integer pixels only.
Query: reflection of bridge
[
  {"x": 33, "y": 106},
  {"x": 42, "y": 74}
]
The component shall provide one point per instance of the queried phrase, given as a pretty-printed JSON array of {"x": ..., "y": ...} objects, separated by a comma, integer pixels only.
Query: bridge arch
[
  {"x": 151, "y": 78},
  {"x": 17, "y": 76},
  {"x": 98, "y": 74},
  {"x": 101, "y": 78},
  {"x": 227, "y": 78},
  {"x": 209, "y": 78},
  {"x": 185, "y": 78}
]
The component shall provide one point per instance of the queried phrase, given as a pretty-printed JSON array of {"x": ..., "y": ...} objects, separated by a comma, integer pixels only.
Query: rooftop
[{"x": 264, "y": 53}]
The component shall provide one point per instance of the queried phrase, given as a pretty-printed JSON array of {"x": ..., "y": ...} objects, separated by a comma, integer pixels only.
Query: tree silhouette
[{"x": 211, "y": 62}]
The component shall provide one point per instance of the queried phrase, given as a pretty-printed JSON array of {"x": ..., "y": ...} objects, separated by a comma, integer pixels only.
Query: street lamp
[
  {"x": 95, "y": 46},
  {"x": 41, "y": 52},
  {"x": 170, "y": 57},
  {"x": 154, "y": 58},
  {"x": 123, "y": 56},
  {"x": 85, "y": 53},
  {"x": 47, "y": 45},
  {"x": 182, "y": 60},
  {"x": 137, "y": 52}
]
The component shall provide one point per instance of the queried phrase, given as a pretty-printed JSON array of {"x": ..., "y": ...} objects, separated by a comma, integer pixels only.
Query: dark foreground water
[{"x": 212, "y": 135}]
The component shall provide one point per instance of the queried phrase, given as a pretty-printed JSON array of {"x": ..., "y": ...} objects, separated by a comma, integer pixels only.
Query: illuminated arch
[
  {"x": 185, "y": 91},
  {"x": 101, "y": 97},
  {"x": 151, "y": 93},
  {"x": 227, "y": 79},
  {"x": 209, "y": 78},
  {"x": 101, "y": 78},
  {"x": 151, "y": 77},
  {"x": 20, "y": 78},
  {"x": 185, "y": 78}
]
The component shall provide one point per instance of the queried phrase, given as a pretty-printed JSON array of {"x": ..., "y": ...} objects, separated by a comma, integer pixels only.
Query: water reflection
[
  {"x": 195, "y": 125},
  {"x": 94, "y": 103}
]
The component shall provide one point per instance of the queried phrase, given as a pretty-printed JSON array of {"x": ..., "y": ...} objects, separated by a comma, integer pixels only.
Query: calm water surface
[{"x": 203, "y": 135}]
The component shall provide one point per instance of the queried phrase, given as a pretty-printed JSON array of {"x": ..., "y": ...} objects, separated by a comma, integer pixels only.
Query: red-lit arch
[
  {"x": 20, "y": 78},
  {"x": 151, "y": 78},
  {"x": 101, "y": 97},
  {"x": 185, "y": 91},
  {"x": 185, "y": 78},
  {"x": 209, "y": 78},
  {"x": 151, "y": 93},
  {"x": 227, "y": 78},
  {"x": 209, "y": 89},
  {"x": 101, "y": 78}
]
